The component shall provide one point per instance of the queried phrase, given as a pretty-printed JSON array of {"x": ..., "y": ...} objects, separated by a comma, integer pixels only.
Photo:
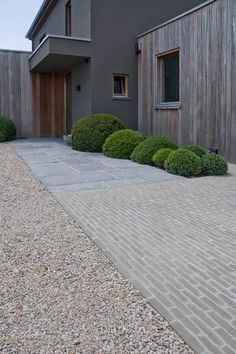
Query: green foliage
[
  {"x": 161, "y": 156},
  {"x": 7, "y": 128},
  {"x": 121, "y": 144},
  {"x": 2, "y": 138},
  {"x": 214, "y": 165},
  {"x": 184, "y": 163},
  {"x": 90, "y": 132},
  {"x": 198, "y": 150},
  {"x": 144, "y": 152}
]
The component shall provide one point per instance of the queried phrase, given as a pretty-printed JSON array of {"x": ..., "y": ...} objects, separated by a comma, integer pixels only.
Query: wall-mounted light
[
  {"x": 138, "y": 48},
  {"x": 213, "y": 150}
]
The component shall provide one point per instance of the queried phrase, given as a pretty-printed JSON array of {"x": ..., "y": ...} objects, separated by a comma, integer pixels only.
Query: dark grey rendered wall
[{"x": 113, "y": 26}]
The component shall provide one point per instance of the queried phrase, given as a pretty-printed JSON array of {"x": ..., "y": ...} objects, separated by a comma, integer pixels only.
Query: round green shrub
[
  {"x": 121, "y": 144},
  {"x": 214, "y": 165},
  {"x": 2, "y": 138},
  {"x": 90, "y": 132},
  {"x": 198, "y": 150},
  {"x": 7, "y": 128},
  {"x": 144, "y": 152},
  {"x": 160, "y": 157},
  {"x": 184, "y": 163}
]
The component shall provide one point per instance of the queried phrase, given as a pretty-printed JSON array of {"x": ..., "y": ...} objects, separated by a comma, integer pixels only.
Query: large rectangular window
[
  {"x": 68, "y": 19},
  {"x": 169, "y": 77}
]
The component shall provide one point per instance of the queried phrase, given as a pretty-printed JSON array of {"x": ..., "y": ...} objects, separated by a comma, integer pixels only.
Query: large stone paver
[
  {"x": 176, "y": 241},
  {"x": 63, "y": 170}
]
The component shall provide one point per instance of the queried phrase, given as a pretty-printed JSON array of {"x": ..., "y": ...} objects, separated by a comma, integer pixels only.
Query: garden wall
[{"x": 15, "y": 90}]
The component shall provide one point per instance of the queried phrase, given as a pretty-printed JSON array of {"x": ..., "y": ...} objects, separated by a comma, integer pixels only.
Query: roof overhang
[
  {"x": 57, "y": 54},
  {"x": 45, "y": 9}
]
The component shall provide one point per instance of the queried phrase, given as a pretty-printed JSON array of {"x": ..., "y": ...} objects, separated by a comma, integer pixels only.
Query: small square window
[
  {"x": 120, "y": 85},
  {"x": 169, "y": 77}
]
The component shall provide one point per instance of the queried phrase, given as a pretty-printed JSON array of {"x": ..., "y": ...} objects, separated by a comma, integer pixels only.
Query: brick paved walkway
[{"x": 176, "y": 241}]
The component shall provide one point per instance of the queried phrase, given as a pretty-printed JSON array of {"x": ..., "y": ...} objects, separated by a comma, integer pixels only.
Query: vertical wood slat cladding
[
  {"x": 207, "y": 42},
  {"x": 15, "y": 90},
  {"x": 48, "y": 104}
]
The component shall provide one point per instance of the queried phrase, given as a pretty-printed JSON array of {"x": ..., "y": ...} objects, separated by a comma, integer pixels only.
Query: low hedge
[
  {"x": 198, "y": 150},
  {"x": 144, "y": 152},
  {"x": 90, "y": 132},
  {"x": 184, "y": 163},
  {"x": 7, "y": 128},
  {"x": 2, "y": 138},
  {"x": 214, "y": 165},
  {"x": 121, "y": 144},
  {"x": 161, "y": 156}
]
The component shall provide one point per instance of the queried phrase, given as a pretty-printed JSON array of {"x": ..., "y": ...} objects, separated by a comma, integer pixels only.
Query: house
[
  {"x": 84, "y": 58},
  {"x": 187, "y": 78}
]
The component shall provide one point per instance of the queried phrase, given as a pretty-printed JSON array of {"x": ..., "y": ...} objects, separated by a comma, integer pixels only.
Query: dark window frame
[
  {"x": 162, "y": 100},
  {"x": 68, "y": 15}
]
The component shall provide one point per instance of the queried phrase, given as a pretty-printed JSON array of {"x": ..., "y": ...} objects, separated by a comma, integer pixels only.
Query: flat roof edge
[
  {"x": 16, "y": 51},
  {"x": 41, "y": 12},
  {"x": 57, "y": 37},
  {"x": 186, "y": 13}
]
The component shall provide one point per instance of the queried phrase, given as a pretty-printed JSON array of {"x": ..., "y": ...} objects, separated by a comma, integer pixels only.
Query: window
[
  {"x": 68, "y": 19},
  {"x": 120, "y": 85},
  {"x": 169, "y": 74}
]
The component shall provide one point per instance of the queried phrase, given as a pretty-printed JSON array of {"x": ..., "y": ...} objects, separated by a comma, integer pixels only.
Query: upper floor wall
[{"x": 56, "y": 22}]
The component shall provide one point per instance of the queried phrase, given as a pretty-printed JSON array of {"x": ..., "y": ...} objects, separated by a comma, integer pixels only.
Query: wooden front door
[
  {"x": 68, "y": 85},
  {"x": 48, "y": 91}
]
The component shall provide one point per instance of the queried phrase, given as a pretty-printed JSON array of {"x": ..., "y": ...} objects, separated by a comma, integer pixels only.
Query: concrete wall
[{"x": 56, "y": 21}]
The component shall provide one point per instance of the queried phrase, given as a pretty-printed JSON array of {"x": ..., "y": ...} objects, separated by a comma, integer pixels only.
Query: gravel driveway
[{"x": 59, "y": 293}]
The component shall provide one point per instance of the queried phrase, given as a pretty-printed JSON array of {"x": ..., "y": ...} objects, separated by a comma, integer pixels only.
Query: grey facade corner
[{"x": 108, "y": 43}]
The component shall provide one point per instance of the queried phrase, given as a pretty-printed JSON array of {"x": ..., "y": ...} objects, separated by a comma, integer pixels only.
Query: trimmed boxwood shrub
[
  {"x": 2, "y": 138},
  {"x": 198, "y": 150},
  {"x": 7, "y": 128},
  {"x": 184, "y": 163},
  {"x": 214, "y": 165},
  {"x": 121, "y": 144},
  {"x": 144, "y": 152},
  {"x": 90, "y": 132},
  {"x": 160, "y": 157}
]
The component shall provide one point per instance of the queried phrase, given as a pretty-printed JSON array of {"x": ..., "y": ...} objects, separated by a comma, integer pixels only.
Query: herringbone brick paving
[{"x": 176, "y": 242}]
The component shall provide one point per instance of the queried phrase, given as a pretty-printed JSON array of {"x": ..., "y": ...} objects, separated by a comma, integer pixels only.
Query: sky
[{"x": 16, "y": 17}]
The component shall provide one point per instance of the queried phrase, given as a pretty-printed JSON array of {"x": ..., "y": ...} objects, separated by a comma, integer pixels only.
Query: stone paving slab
[
  {"x": 63, "y": 170},
  {"x": 176, "y": 241}
]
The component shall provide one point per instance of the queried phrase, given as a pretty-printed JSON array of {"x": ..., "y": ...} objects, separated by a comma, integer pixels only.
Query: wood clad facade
[
  {"x": 206, "y": 39},
  {"x": 15, "y": 90},
  {"x": 35, "y": 102}
]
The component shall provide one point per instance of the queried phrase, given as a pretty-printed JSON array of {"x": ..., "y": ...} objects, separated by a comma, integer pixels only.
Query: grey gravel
[{"x": 58, "y": 292}]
